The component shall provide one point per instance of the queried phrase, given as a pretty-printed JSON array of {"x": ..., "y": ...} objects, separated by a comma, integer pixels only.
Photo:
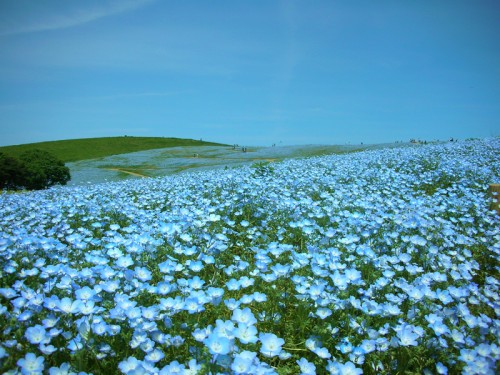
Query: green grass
[{"x": 92, "y": 148}]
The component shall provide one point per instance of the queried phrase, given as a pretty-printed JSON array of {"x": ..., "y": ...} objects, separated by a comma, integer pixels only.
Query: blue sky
[{"x": 249, "y": 72}]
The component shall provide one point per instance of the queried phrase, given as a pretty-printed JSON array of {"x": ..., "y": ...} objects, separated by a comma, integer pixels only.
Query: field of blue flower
[
  {"x": 172, "y": 160},
  {"x": 379, "y": 262}
]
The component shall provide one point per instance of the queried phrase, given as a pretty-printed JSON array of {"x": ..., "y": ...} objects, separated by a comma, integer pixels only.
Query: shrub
[
  {"x": 11, "y": 172},
  {"x": 35, "y": 170}
]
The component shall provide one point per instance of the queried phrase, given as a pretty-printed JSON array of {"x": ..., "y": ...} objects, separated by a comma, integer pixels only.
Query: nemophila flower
[
  {"x": 339, "y": 280},
  {"x": 306, "y": 367},
  {"x": 352, "y": 274},
  {"x": 391, "y": 309},
  {"x": 215, "y": 294},
  {"x": 133, "y": 313},
  {"x": 19, "y": 303},
  {"x": 407, "y": 335},
  {"x": 154, "y": 356},
  {"x": 441, "y": 369},
  {"x": 164, "y": 288},
  {"x": 316, "y": 290},
  {"x": 63, "y": 369},
  {"x": 244, "y": 316},
  {"x": 322, "y": 353},
  {"x": 8, "y": 293},
  {"x": 31, "y": 364},
  {"x": 193, "y": 305},
  {"x": 147, "y": 345},
  {"x": 151, "y": 312},
  {"x": 323, "y": 312},
  {"x": 224, "y": 328},
  {"x": 124, "y": 261},
  {"x": 100, "y": 328},
  {"x": 280, "y": 269},
  {"x": 85, "y": 294},
  {"x": 246, "y": 281},
  {"x": 173, "y": 367},
  {"x": 233, "y": 284},
  {"x": 415, "y": 293},
  {"x": 36, "y": 334},
  {"x": 87, "y": 308},
  {"x": 47, "y": 349},
  {"x": 313, "y": 343},
  {"x": 110, "y": 286},
  {"x": 271, "y": 344},
  {"x": 241, "y": 365},
  {"x": 196, "y": 283},
  {"x": 68, "y": 306},
  {"x": 344, "y": 347},
  {"x": 218, "y": 344},
  {"x": 246, "y": 299},
  {"x": 246, "y": 334},
  {"x": 232, "y": 304},
  {"x": 348, "y": 368},
  {"x": 193, "y": 367},
  {"x": 439, "y": 327},
  {"x": 201, "y": 334},
  {"x": 131, "y": 365},
  {"x": 196, "y": 266},
  {"x": 259, "y": 297},
  {"x": 142, "y": 274}
]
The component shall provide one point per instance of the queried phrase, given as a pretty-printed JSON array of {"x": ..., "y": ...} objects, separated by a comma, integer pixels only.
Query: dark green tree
[
  {"x": 11, "y": 172},
  {"x": 42, "y": 170}
]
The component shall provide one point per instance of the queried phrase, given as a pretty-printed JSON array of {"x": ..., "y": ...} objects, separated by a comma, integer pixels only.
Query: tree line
[{"x": 32, "y": 170}]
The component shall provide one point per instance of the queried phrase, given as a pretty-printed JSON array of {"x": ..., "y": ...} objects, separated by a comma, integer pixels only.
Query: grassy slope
[{"x": 91, "y": 148}]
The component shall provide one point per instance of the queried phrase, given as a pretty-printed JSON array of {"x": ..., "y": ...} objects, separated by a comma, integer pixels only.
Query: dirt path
[{"x": 128, "y": 172}]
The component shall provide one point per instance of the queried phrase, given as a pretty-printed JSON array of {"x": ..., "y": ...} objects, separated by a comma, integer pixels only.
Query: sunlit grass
[{"x": 92, "y": 148}]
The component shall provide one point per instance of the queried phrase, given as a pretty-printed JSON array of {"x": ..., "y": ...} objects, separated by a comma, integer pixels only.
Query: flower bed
[{"x": 377, "y": 262}]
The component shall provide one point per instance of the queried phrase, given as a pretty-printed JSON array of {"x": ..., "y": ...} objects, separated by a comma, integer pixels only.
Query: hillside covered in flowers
[{"x": 377, "y": 262}]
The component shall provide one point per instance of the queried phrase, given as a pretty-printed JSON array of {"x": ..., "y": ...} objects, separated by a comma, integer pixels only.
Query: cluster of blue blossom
[{"x": 377, "y": 262}]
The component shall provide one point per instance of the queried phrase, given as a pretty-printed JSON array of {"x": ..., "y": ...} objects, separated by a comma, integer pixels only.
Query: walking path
[{"x": 128, "y": 172}]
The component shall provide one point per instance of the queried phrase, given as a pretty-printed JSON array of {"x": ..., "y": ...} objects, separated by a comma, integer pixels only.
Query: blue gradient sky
[{"x": 249, "y": 72}]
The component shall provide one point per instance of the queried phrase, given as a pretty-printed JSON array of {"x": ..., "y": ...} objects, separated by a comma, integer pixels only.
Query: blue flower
[
  {"x": 271, "y": 344},
  {"x": 142, "y": 274},
  {"x": 63, "y": 369},
  {"x": 193, "y": 305},
  {"x": 244, "y": 316},
  {"x": 348, "y": 368},
  {"x": 406, "y": 335},
  {"x": 36, "y": 335},
  {"x": 31, "y": 364},
  {"x": 241, "y": 365},
  {"x": 323, "y": 312},
  {"x": 233, "y": 284},
  {"x": 232, "y": 303},
  {"x": 154, "y": 356},
  {"x": 68, "y": 306},
  {"x": 173, "y": 367},
  {"x": 85, "y": 294},
  {"x": 247, "y": 334},
  {"x": 259, "y": 297},
  {"x": 306, "y": 367},
  {"x": 218, "y": 344}
]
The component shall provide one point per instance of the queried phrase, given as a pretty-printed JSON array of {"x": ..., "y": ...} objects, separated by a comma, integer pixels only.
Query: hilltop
[{"x": 91, "y": 148}]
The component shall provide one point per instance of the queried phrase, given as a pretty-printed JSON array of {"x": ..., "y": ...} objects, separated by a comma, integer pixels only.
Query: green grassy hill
[{"x": 91, "y": 148}]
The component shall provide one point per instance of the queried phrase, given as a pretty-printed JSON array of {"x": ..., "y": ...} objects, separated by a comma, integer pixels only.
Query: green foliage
[
  {"x": 440, "y": 181},
  {"x": 11, "y": 172},
  {"x": 262, "y": 169},
  {"x": 34, "y": 170}
]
